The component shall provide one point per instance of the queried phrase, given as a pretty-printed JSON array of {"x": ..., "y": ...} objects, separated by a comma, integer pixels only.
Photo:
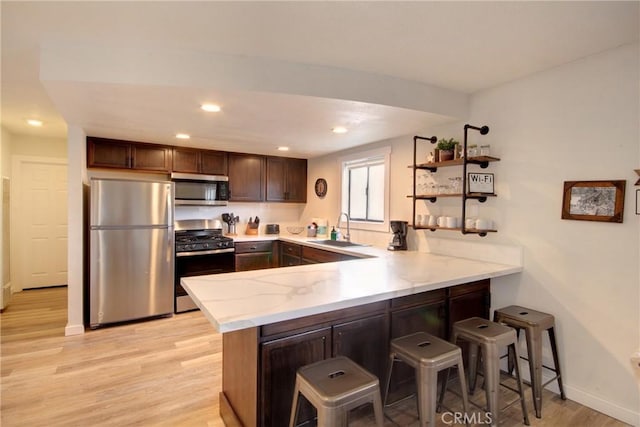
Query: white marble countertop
[{"x": 234, "y": 301}]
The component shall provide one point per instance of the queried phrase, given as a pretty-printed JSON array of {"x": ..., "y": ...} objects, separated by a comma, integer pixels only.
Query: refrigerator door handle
[
  {"x": 170, "y": 246},
  {"x": 170, "y": 198}
]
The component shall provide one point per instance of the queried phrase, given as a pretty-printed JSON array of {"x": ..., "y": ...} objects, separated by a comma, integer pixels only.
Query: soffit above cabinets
[{"x": 286, "y": 72}]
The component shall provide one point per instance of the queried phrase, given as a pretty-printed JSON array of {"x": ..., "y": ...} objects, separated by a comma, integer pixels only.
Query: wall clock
[{"x": 321, "y": 187}]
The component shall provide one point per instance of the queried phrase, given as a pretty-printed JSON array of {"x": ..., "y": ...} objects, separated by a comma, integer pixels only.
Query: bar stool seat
[
  {"x": 490, "y": 337},
  {"x": 534, "y": 322},
  {"x": 428, "y": 355},
  {"x": 335, "y": 386}
]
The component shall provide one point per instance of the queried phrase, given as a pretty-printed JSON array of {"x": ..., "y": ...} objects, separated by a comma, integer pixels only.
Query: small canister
[
  {"x": 311, "y": 231},
  {"x": 322, "y": 227}
]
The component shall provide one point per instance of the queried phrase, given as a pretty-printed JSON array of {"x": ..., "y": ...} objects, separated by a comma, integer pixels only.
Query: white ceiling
[{"x": 285, "y": 73}]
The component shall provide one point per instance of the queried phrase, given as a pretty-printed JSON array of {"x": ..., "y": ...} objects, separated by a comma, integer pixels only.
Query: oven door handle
[{"x": 211, "y": 252}]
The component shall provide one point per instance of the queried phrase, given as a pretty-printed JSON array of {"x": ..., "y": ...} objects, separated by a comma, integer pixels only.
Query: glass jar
[
  {"x": 455, "y": 183},
  {"x": 485, "y": 150}
]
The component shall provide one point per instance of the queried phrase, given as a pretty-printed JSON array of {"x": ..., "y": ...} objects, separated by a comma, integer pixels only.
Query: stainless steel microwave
[{"x": 203, "y": 190}]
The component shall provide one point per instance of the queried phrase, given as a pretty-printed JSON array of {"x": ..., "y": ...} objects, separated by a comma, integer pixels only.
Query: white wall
[
  {"x": 30, "y": 145},
  {"x": 5, "y": 153},
  {"x": 24, "y": 145},
  {"x": 575, "y": 122},
  {"x": 77, "y": 177},
  {"x": 5, "y": 171}
]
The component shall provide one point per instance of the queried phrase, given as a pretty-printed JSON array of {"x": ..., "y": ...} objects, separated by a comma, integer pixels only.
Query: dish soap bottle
[{"x": 334, "y": 235}]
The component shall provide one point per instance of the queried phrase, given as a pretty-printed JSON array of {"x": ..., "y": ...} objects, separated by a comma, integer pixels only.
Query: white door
[{"x": 41, "y": 219}]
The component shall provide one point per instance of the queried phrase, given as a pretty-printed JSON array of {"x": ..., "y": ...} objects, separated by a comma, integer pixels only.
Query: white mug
[
  {"x": 442, "y": 221},
  {"x": 483, "y": 224},
  {"x": 451, "y": 222},
  {"x": 418, "y": 219},
  {"x": 470, "y": 223},
  {"x": 433, "y": 221}
]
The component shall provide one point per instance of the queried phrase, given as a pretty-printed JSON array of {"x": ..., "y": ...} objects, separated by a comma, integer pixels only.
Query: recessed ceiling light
[
  {"x": 283, "y": 148},
  {"x": 211, "y": 108},
  {"x": 182, "y": 136},
  {"x": 339, "y": 129},
  {"x": 34, "y": 122}
]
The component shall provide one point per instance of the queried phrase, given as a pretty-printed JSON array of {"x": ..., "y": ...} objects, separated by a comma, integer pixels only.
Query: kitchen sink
[{"x": 339, "y": 243}]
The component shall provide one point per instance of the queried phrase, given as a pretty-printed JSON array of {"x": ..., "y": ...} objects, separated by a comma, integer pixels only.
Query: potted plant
[{"x": 446, "y": 148}]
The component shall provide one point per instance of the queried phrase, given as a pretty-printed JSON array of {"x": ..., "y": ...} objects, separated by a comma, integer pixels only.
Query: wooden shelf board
[
  {"x": 470, "y": 195},
  {"x": 468, "y": 230},
  {"x": 456, "y": 162}
]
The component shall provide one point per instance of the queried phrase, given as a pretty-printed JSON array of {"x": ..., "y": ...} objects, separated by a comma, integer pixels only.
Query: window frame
[{"x": 363, "y": 156}]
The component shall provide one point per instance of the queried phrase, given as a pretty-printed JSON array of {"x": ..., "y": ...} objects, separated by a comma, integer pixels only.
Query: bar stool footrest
[
  {"x": 389, "y": 405},
  {"x": 550, "y": 381}
]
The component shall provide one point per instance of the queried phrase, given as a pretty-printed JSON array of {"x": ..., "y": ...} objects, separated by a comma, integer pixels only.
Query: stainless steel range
[{"x": 201, "y": 248}]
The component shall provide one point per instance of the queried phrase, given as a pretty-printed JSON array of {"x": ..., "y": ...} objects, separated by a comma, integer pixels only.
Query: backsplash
[{"x": 285, "y": 214}]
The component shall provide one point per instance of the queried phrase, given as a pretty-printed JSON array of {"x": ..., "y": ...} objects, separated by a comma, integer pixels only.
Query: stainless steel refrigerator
[{"x": 131, "y": 260}]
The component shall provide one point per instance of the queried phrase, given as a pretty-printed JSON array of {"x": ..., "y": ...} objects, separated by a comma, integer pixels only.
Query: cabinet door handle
[{"x": 253, "y": 248}]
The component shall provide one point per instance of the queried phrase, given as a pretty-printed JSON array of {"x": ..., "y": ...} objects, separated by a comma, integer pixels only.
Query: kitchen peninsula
[{"x": 275, "y": 320}]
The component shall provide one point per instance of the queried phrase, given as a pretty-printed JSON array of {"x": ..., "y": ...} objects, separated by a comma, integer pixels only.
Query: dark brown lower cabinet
[
  {"x": 365, "y": 341},
  {"x": 411, "y": 314},
  {"x": 290, "y": 254},
  {"x": 470, "y": 300},
  {"x": 253, "y": 255},
  {"x": 316, "y": 256},
  {"x": 280, "y": 360},
  {"x": 361, "y": 333}
]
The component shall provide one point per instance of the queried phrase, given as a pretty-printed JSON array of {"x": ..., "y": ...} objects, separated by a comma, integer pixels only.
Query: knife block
[{"x": 252, "y": 229}]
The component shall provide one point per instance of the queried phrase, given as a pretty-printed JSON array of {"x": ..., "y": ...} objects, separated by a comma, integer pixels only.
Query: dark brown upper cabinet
[
  {"x": 286, "y": 180},
  {"x": 191, "y": 160},
  {"x": 246, "y": 177},
  {"x": 109, "y": 153}
]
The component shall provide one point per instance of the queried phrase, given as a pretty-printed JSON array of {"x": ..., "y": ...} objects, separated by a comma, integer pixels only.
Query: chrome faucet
[{"x": 347, "y": 236}]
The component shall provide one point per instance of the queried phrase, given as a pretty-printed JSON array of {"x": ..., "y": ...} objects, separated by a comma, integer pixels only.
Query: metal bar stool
[
  {"x": 428, "y": 355},
  {"x": 335, "y": 386},
  {"x": 490, "y": 337},
  {"x": 533, "y": 322}
]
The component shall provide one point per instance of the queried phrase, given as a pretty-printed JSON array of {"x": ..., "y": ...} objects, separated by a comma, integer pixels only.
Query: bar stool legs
[
  {"x": 428, "y": 355},
  {"x": 490, "y": 337},
  {"x": 534, "y": 322}
]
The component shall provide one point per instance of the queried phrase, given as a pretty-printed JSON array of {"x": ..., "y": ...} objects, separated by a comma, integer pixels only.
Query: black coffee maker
[{"x": 399, "y": 239}]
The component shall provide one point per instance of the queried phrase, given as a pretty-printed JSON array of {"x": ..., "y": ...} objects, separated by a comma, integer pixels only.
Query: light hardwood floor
[{"x": 165, "y": 372}]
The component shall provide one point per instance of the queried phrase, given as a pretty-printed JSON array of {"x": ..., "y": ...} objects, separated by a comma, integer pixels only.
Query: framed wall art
[{"x": 593, "y": 200}]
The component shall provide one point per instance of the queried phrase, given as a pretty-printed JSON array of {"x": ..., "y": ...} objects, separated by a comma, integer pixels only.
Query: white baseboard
[
  {"x": 597, "y": 403},
  {"x": 73, "y": 330},
  {"x": 7, "y": 294},
  {"x": 584, "y": 398}
]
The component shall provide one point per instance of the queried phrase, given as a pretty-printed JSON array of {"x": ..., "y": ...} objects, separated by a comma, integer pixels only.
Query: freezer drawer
[
  {"x": 131, "y": 274},
  {"x": 127, "y": 203}
]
